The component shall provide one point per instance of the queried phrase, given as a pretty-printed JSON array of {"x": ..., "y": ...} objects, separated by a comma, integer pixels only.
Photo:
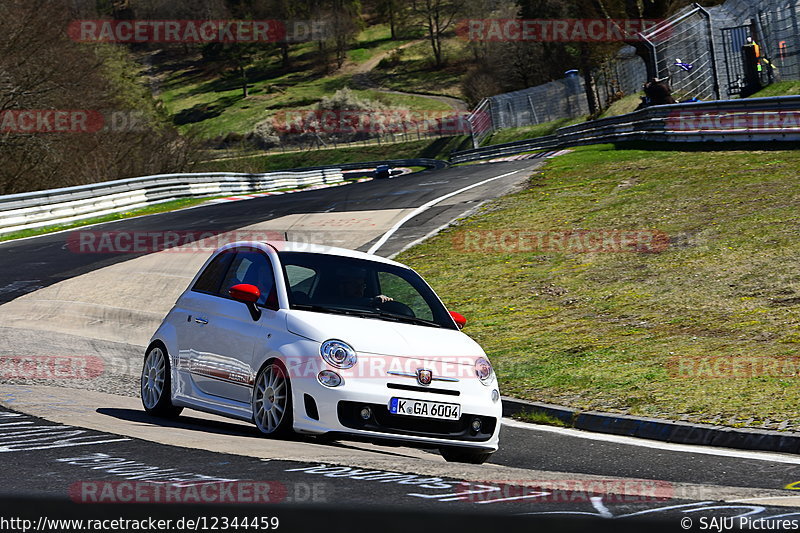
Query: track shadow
[
  {"x": 227, "y": 428},
  {"x": 182, "y": 422}
]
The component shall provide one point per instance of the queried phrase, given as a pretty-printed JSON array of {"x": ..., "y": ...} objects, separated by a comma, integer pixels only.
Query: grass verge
[
  {"x": 623, "y": 106},
  {"x": 781, "y": 88},
  {"x": 538, "y": 417},
  {"x": 654, "y": 334}
]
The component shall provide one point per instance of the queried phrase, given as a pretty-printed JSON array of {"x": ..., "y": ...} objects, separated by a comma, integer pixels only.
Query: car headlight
[
  {"x": 338, "y": 354},
  {"x": 484, "y": 371}
]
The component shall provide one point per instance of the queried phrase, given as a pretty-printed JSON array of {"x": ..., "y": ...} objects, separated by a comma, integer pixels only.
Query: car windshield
[{"x": 369, "y": 289}]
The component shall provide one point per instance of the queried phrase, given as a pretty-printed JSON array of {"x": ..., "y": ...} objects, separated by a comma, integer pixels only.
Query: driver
[{"x": 351, "y": 284}]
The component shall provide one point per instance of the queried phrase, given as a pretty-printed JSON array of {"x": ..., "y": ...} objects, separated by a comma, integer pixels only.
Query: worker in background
[{"x": 751, "y": 61}]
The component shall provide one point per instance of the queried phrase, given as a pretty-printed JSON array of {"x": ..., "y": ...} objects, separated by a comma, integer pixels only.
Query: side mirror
[
  {"x": 459, "y": 319},
  {"x": 246, "y": 293}
]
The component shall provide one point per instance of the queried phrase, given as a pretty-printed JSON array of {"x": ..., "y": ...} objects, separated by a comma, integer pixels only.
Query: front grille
[
  {"x": 385, "y": 422},
  {"x": 415, "y": 388}
]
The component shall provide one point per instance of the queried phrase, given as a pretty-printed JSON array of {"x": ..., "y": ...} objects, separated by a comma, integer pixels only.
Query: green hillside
[{"x": 706, "y": 326}]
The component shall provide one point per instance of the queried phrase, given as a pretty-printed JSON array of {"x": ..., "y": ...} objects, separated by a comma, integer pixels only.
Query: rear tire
[
  {"x": 465, "y": 455},
  {"x": 272, "y": 401},
  {"x": 156, "y": 384}
]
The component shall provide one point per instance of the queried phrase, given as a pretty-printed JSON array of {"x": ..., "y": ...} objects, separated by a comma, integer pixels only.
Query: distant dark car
[{"x": 382, "y": 171}]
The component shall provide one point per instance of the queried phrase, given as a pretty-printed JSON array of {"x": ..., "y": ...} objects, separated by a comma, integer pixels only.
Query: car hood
[{"x": 381, "y": 337}]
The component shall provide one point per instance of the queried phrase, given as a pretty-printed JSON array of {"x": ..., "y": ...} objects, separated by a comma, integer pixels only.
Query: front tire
[
  {"x": 156, "y": 384},
  {"x": 272, "y": 401},
  {"x": 465, "y": 455}
]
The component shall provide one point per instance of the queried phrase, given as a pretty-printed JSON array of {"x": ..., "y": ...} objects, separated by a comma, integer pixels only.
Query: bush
[
  {"x": 392, "y": 60},
  {"x": 264, "y": 136},
  {"x": 339, "y": 118}
]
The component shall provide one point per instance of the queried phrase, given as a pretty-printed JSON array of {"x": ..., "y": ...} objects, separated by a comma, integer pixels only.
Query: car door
[
  {"x": 190, "y": 312},
  {"x": 222, "y": 334}
]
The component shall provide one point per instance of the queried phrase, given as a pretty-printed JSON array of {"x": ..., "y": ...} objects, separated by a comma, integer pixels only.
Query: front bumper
[
  {"x": 382, "y": 421},
  {"x": 338, "y": 410}
]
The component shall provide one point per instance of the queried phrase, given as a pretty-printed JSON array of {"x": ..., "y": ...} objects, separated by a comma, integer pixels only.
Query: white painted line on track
[
  {"x": 437, "y": 230},
  {"x": 745, "y": 500},
  {"x": 424, "y": 207},
  {"x": 774, "y": 457}
]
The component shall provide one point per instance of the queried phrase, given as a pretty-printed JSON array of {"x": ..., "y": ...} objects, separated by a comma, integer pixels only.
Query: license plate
[{"x": 424, "y": 409}]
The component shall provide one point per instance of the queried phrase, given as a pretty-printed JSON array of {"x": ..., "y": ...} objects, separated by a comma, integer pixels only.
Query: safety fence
[
  {"x": 700, "y": 51},
  {"x": 775, "y": 119}
]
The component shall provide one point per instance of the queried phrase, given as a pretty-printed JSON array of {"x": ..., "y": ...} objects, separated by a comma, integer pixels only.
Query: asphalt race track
[{"x": 86, "y": 441}]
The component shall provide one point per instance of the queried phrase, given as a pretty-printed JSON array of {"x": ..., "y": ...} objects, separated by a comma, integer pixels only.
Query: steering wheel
[{"x": 397, "y": 308}]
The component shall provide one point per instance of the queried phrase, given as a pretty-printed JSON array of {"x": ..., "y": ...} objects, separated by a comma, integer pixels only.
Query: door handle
[{"x": 201, "y": 321}]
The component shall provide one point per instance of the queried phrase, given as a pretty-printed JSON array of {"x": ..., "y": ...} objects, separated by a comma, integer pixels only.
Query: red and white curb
[{"x": 521, "y": 157}]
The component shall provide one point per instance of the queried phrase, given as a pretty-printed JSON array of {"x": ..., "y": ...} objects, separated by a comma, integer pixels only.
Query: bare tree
[
  {"x": 437, "y": 16},
  {"x": 42, "y": 70}
]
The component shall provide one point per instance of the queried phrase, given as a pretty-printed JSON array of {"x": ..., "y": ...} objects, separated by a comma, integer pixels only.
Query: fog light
[
  {"x": 495, "y": 395},
  {"x": 329, "y": 378},
  {"x": 476, "y": 425},
  {"x": 366, "y": 413}
]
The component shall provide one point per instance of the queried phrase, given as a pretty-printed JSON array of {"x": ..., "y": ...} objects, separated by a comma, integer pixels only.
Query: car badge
[{"x": 424, "y": 376}]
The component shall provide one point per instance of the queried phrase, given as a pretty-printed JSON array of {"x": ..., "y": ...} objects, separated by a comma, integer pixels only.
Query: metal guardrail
[
  {"x": 59, "y": 206},
  {"x": 37, "y": 209},
  {"x": 417, "y": 162},
  {"x": 752, "y": 119}
]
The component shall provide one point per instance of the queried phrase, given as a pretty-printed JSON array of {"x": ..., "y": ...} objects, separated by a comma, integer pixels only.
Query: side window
[
  {"x": 211, "y": 278},
  {"x": 301, "y": 280},
  {"x": 403, "y": 292},
  {"x": 253, "y": 268}
]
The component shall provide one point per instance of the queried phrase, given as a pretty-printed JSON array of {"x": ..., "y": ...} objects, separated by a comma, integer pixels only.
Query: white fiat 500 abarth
[{"x": 321, "y": 340}]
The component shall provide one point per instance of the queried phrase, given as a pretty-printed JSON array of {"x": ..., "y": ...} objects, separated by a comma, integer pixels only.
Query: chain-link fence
[
  {"x": 700, "y": 51},
  {"x": 552, "y": 101},
  {"x": 623, "y": 75},
  {"x": 560, "y": 99},
  {"x": 772, "y": 24},
  {"x": 682, "y": 50}
]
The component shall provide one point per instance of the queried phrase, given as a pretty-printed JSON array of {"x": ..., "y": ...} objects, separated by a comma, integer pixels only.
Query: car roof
[{"x": 306, "y": 247}]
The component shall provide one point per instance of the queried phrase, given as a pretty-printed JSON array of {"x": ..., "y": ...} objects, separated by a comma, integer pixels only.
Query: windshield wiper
[
  {"x": 323, "y": 309},
  {"x": 366, "y": 314},
  {"x": 409, "y": 319}
]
